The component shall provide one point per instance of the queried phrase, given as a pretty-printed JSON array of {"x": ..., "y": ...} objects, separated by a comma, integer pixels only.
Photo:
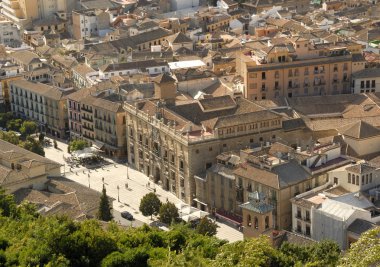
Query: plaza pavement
[{"x": 132, "y": 187}]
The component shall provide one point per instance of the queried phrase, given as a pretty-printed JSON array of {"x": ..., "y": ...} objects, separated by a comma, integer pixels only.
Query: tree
[
  {"x": 78, "y": 145},
  {"x": 32, "y": 145},
  {"x": 14, "y": 125},
  {"x": 364, "y": 252},
  {"x": 10, "y": 137},
  {"x": 104, "y": 212},
  {"x": 250, "y": 252},
  {"x": 28, "y": 128},
  {"x": 206, "y": 227},
  {"x": 55, "y": 144},
  {"x": 41, "y": 137},
  {"x": 168, "y": 213},
  {"x": 4, "y": 118},
  {"x": 150, "y": 204}
]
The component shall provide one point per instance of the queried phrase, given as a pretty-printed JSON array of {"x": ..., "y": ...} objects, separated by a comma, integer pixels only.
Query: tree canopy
[
  {"x": 104, "y": 212},
  {"x": 206, "y": 227},
  {"x": 150, "y": 204},
  {"x": 168, "y": 213},
  {"x": 78, "y": 145},
  {"x": 28, "y": 239}
]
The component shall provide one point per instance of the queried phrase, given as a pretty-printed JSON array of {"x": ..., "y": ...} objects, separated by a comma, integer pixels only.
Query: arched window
[
  {"x": 357, "y": 179},
  {"x": 249, "y": 221},
  {"x": 256, "y": 223},
  {"x": 349, "y": 178},
  {"x": 266, "y": 222}
]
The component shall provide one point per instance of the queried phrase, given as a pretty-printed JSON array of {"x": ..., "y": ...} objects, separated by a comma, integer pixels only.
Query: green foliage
[
  {"x": 10, "y": 137},
  {"x": 150, "y": 204},
  {"x": 324, "y": 253},
  {"x": 364, "y": 252},
  {"x": 78, "y": 145},
  {"x": 104, "y": 212},
  {"x": 55, "y": 144},
  {"x": 41, "y": 137},
  {"x": 27, "y": 239},
  {"x": 28, "y": 128},
  {"x": 207, "y": 227},
  {"x": 14, "y": 125},
  {"x": 251, "y": 252},
  {"x": 4, "y": 118},
  {"x": 130, "y": 258},
  {"x": 33, "y": 145},
  {"x": 168, "y": 213}
]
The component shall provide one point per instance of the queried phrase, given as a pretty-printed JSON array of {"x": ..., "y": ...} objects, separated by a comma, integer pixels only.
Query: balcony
[
  {"x": 277, "y": 88},
  {"x": 87, "y": 119},
  {"x": 88, "y": 137},
  {"x": 86, "y": 109},
  {"x": 87, "y": 128}
]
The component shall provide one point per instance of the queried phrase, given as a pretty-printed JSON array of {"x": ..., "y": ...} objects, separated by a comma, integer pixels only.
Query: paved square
[{"x": 130, "y": 191}]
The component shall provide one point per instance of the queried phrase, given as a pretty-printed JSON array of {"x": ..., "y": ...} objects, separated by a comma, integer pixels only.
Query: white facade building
[
  {"x": 183, "y": 4},
  {"x": 366, "y": 81}
]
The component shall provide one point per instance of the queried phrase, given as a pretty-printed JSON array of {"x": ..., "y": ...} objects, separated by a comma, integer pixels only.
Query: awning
[
  {"x": 200, "y": 202},
  {"x": 98, "y": 145},
  {"x": 227, "y": 219}
]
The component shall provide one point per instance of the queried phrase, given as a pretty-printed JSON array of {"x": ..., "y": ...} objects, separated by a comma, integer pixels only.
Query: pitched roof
[
  {"x": 26, "y": 57},
  {"x": 360, "y": 130},
  {"x": 367, "y": 73},
  {"x": 360, "y": 168},
  {"x": 164, "y": 78},
  {"x": 360, "y": 226},
  {"x": 179, "y": 38},
  {"x": 40, "y": 89}
]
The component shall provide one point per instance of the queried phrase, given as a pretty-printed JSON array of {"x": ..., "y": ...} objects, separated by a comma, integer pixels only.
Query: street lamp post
[
  {"x": 118, "y": 196},
  {"x": 89, "y": 186},
  {"x": 127, "y": 172}
]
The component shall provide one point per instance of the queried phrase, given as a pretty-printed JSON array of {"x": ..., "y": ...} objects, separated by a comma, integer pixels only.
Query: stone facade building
[
  {"x": 171, "y": 141},
  {"x": 295, "y": 67},
  {"x": 42, "y": 103}
]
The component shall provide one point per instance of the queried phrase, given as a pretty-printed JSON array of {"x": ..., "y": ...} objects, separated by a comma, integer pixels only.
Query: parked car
[{"x": 127, "y": 215}]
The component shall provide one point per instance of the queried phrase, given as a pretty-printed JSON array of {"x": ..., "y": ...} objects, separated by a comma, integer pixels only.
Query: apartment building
[
  {"x": 9, "y": 33},
  {"x": 366, "y": 81},
  {"x": 97, "y": 116},
  {"x": 89, "y": 23},
  {"x": 291, "y": 67},
  {"x": 42, "y": 103},
  {"x": 277, "y": 171},
  {"x": 332, "y": 211}
]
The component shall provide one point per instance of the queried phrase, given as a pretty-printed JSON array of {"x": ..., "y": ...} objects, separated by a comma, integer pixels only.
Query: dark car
[{"x": 127, "y": 215}]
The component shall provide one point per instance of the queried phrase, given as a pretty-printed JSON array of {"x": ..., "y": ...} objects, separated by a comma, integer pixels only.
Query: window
[
  {"x": 249, "y": 220},
  {"x": 373, "y": 84},
  {"x": 266, "y": 222},
  {"x": 256, "y": 222},
  {"x": 263, "y": 76},
  {"x": 357, "y": 179},
  {"x": 252, "y": 75},
  {"x": 367, "y": 84},
  {"x": 362, "y": 84},
  {"x": 362, "y": 179},
  {"x": 210, "y": 148},
  {"x": 253, "y": 85},
  {"x": 370, "y": 177}
]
